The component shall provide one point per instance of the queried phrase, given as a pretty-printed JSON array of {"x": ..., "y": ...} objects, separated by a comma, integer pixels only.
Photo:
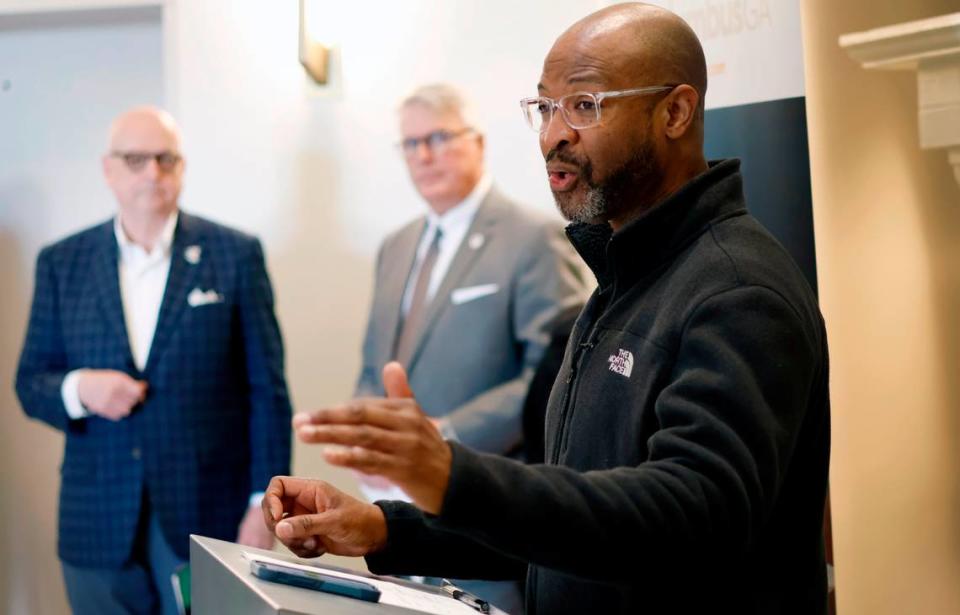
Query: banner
[{"x": 756, "y": 110}]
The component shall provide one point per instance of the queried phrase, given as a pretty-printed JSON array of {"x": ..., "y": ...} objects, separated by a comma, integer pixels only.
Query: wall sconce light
[{"x": 314, "y": 56}]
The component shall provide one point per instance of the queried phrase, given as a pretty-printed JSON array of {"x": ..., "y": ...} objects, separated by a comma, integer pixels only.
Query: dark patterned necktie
[{"x": 410, "y": 329}]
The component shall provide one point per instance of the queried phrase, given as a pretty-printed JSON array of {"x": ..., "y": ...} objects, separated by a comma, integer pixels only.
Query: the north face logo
[{"x": 621, "y": 363}]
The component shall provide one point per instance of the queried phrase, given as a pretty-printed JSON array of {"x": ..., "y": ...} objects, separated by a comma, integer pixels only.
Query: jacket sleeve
[
  {"x": 546, "y": 280},
  {"x": 43, "y": 361},
  {"x": 729, "y": 417},
  {"x": 270, "y": 411},
  {"x": 414, "y": 548},
  {"x": 368, "y": 383}
]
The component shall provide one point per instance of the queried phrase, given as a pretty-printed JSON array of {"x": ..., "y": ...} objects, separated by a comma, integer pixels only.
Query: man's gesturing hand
[
  {"x": 312, "y": 517},
  {"x": 390, "y": 437}
]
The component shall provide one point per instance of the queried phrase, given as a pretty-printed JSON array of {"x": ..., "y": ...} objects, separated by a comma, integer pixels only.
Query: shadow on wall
[
  {"x": 323, "y": 293},
  {"x": 29, "y": 452}
]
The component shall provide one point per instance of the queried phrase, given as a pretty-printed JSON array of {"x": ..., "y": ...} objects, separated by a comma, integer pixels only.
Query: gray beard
[
  {"x": 608, "y": 199},
  {"x": 591, "y": 210}
]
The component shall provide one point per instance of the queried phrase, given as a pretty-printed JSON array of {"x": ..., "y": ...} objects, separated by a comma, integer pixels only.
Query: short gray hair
[{"x": 444, "y": 99}]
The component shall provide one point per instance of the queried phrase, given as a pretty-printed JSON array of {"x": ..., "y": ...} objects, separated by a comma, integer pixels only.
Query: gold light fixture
[{"x": 314, "y": 56}]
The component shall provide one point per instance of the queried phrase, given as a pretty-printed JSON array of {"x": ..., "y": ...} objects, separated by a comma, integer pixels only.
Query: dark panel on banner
[{"x": 770, "y": 138}]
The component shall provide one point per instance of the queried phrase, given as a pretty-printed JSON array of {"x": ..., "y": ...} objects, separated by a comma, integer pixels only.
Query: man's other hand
[
  {"x": 389, "y": 437},
  {"x": 109, "y": 393},
  {"x": 312, "y": 517}
]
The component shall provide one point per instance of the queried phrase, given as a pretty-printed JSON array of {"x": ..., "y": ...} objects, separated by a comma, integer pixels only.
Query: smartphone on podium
[{"x": 318, "y": 581}]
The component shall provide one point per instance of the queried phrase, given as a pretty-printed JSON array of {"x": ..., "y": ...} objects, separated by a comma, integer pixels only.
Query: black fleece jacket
[{"x": 687, "y": 434}]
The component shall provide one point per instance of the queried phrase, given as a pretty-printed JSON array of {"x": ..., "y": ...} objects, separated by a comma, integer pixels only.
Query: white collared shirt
[
  {"x": 143, "y": 280},
  {"x": 454, "y": 224}
]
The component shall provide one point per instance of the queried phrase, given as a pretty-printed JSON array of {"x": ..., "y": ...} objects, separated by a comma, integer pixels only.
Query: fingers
[
  {"x": 364, "y": 460},
  {"x": 395, "y": 381},
  {"x": 300, "y": 418},
  {"x": 385, "y": 413},
  {"x": 129, "y": 394},
  {"x": 271, "y": 504},
  {"x": 363, "y": 436},
  {"x": 308, "y": 548},
  {"x": 136, "y": 389}
]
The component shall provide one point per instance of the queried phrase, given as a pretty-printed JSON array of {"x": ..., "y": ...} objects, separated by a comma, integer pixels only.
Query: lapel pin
[
  {"x": 192, "y": 254},
  {"x": 476, "y": 241}
]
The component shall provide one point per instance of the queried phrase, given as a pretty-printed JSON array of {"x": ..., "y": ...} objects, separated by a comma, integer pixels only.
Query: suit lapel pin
[
  {"x": 476, "y": 241},
  {"x": 192, "y": 254}
]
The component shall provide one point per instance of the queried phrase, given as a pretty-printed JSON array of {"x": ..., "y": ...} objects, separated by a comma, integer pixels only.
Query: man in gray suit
[{"x": 464, "y": 295}]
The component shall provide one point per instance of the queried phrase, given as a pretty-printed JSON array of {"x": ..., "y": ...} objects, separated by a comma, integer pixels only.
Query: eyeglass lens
[
  {"x": 581, "y": 110},
  {"x": 136, "y": 161},
  {"x": 434, "y": 140}
]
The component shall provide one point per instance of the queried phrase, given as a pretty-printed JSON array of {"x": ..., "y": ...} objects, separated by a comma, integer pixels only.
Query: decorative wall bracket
[
  {"x": 314, "y": 56},
  {"x": 931, "y": 48}
]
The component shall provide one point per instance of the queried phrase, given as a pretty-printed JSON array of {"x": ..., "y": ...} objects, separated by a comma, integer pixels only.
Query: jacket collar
[{"x": 667, "y": 227}]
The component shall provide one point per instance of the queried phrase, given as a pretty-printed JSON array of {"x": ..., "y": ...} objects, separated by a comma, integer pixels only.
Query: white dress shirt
[
  {"x": 143, "y": 280},
  {"x": 454, "y": 224}
]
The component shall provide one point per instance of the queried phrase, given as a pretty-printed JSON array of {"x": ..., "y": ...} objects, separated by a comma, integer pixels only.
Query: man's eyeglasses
[
  {"x": 435, "y": 141},
  {"x": 579, "y": 110},
  {"x": 136, "y": 161}
]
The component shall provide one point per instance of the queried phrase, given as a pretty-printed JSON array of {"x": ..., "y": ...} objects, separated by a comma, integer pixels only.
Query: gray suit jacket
[{"x": 476, "y": 355}]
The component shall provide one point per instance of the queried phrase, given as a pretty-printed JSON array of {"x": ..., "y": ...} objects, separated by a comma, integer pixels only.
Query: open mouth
[{"x": 561, "y": 181}]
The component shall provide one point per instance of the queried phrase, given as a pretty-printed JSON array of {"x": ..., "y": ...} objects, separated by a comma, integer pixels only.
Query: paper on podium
[{"x": 390, "y": 593}]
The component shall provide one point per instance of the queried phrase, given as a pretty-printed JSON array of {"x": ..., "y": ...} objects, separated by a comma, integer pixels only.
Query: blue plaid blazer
[{"x": 216, "y": 422}]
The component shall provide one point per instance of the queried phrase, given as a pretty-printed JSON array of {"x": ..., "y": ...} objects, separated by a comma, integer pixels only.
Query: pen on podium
[{"x": 467, "y": 598}]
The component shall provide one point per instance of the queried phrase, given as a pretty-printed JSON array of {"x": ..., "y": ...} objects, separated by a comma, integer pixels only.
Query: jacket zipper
[{"x": 572, "y": 383}]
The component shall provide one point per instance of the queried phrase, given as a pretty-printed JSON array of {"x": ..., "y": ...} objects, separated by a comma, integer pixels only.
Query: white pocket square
[
  {"x": 197, "y": 297},
  {"x": 469, "y": 293}
]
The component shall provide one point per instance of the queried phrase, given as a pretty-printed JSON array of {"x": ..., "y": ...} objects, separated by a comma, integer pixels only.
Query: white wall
[
  {"x": 315, "y": 172},
  {"x": 312, "y": 171},
  {"x": 60, "y": 85}
]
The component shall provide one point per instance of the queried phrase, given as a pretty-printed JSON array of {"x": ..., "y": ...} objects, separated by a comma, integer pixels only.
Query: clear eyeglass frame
[{"x": 579, "y": 110}]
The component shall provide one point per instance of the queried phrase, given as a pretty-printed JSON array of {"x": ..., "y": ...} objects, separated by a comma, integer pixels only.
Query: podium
[{"x": 222, "y": 583}]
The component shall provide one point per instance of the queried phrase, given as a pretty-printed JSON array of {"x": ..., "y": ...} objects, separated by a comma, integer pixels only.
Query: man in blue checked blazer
[{"x": 154, "y": 347}]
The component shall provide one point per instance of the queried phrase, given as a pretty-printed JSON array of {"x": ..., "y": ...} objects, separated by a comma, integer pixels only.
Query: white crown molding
[
  {"x": 905, "y": 46},
  {"x": 35, "y": 7},
  {"x": 931, "y": 48}
]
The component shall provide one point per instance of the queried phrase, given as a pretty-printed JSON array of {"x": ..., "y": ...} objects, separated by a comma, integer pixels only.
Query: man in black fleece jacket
[{"x": 687, "y": 434}]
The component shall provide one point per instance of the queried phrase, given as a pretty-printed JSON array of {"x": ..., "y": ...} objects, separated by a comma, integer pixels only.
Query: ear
[
  {"x": 105, "y": 165},
  {"x": 680, "y": 109}
]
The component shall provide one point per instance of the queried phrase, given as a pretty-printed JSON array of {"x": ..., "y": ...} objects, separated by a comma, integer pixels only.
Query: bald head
[
  {"x": 643, "y": 41},
  {"x": 141, "y": 124}
]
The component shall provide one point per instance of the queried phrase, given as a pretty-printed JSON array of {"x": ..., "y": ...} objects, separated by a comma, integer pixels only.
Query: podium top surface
[{"x": 222, "y": 583}]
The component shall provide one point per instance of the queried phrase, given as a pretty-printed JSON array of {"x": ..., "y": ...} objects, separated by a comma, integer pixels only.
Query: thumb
[
  {"x": 301, "y": 526},
  {"x": 395, "y": 381}
]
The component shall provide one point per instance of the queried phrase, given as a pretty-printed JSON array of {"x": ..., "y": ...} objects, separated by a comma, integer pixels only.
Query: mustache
[{"x": 564, "y": 157}]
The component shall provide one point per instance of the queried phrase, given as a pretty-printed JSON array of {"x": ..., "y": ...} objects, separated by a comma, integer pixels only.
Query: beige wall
[{"x": 887, "y": 221}]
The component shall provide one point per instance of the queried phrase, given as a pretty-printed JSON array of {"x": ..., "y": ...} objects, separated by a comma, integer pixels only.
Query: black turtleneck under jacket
[{"x": 687, "y": 434}]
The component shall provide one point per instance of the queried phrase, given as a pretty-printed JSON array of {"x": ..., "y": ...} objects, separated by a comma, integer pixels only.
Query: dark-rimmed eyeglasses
[
  {"x": 579, "y": 110},
  {"x": 435, "y": 141},
  {"x": 137, "y": 161}
]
